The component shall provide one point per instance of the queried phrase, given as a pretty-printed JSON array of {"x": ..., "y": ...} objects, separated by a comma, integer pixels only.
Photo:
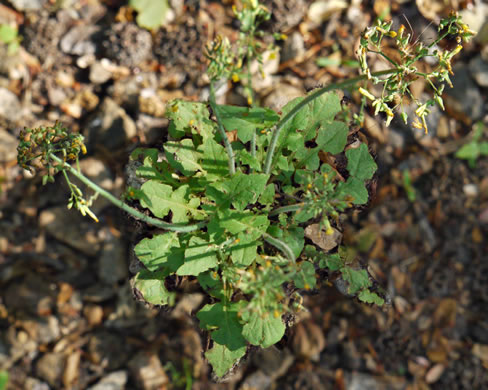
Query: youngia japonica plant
[{"x": 235, "y": 188}]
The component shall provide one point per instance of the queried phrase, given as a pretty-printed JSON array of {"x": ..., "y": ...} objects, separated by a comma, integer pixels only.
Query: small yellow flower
[{"x": 235, "y": 77}]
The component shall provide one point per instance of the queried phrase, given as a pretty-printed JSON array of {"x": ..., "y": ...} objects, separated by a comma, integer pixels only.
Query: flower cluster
[
  {"x": 397, "y": 84},
  {"x": 36, "y": 146}
]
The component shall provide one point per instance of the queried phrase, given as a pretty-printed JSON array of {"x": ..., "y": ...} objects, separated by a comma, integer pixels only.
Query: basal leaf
[
  {"x": 305, "y": 277},
  {"x": 294, "y": 238},
  {"x": 355, "y": 188},
  {"x": 370, "y": 297},
  {"x": 160, "y": 199},
  {"x": 247, "y": 159},
  {"x": 161, "y": 251},
  {"x": 199, "y": 257},
  {"x": 223, "y": 323},
  {"x": 267, "y": 197},
  {"x": 360, "y": 164},
  {"x": 183, "y": 156},
  {"x": 241, "y": 189},
  {"x": 263, "y": 331},
  {"x": 211, "y": 284},
  {"x": 247, "y": 120},
  {"x": 222, "y": 358},
  {"x": 245, "y": 251},
  {"x": 357, "y": 279},
  {"x": 214, "y": 159},
  {"x": 190, "y": 118},
  {"x": 332, "y": 137},
  {"x": 151, "y": 285},
  {"x": 252, "y": 224}
]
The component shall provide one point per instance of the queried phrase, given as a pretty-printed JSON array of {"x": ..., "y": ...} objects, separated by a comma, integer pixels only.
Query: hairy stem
[
  {"x": 280, "y": 245},
  {"x": 319, "y": 92},
  {"x": 119, "y": 203},
  {"x": 220, "y": 126}
]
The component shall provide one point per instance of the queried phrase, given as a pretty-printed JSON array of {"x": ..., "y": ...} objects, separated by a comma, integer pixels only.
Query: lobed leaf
[
  {"x": 263, "y": 330},
  {"x": 161, "y": 199},
  {"x": 161, "y": 251},
  {"x": 222, "y": 358},
  {"x": 199, "y": 257},
  {"x": 360, "y": 164},
  {"x": 151, "y": 285}
]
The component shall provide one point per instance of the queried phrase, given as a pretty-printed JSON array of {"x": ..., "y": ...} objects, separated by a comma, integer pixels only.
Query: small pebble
[{"x": 470, "y": 190}]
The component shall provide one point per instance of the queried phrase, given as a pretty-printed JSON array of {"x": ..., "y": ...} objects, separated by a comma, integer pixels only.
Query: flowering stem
[
  {"x": 119, "y": 203},
  {"x": 319, "y": 92},
  {"x": 220, "y": 126}
]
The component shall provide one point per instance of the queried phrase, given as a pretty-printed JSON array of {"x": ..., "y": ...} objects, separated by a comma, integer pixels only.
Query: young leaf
[
  {"x": 161, "y": 251},
  {"x": 160, "y": 199},
  {"x": 357, "y": 279},
  {"x": 305, "y": 277},
  {"x": 360, "y": 164},
  {"x": 199, "y": 257},
  {"x": 222, "y": 358},
  {"x": 332, "y": 262},
  {"x": 267, "y": 197},
  {"x": 370, "y": 297},
  {"x": 151, "y": 285},
  {"x": 469, "y": 151},
  {"x": 223, "y": 323},
  {"x": 263, "y": 331}
]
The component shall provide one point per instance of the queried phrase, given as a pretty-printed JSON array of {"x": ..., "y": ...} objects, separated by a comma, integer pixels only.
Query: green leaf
[
  {"x": 360, "y": 164},
  {"x": 370, "y": 297},
  {"x": 484, "y": 148},
  {"x": 469, "y": 151},
  {"x": 246, "y": 120},
  {"x": 8, "y": 34},
  {"x": 235, "y": 222},
  {"x": 161, "y": 199},
  {"x": 214, "y": 159},
  {"x": 223, "y": 323},
  {"x": 357, "y": 279},
  {"x": 183, "y": 156},
  {"x": 151, "y": 13},
  {"x": 294, "y": 237},
  {"x": 332, "y": 262},
  {"x": 190, "y": 118},
  {"x": 305, "y": 277},
  {"x": 247, "y": 159},
  {"x": 163, "y": 250},
  {"x": 263, "y": 330},
  {"x": 332, "y": 138},
  {"x": 241, "y": 190},
  {"x": 212, "y": 284},
  {"x": 151, "y": 285},
  {"x": 267, "y": 197},
  {"x": 355, "y": 188},
  {"x": 222, "y": 358},
  {"x": 199, "y": 257},
  {"x": 244, "y": 253}
]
